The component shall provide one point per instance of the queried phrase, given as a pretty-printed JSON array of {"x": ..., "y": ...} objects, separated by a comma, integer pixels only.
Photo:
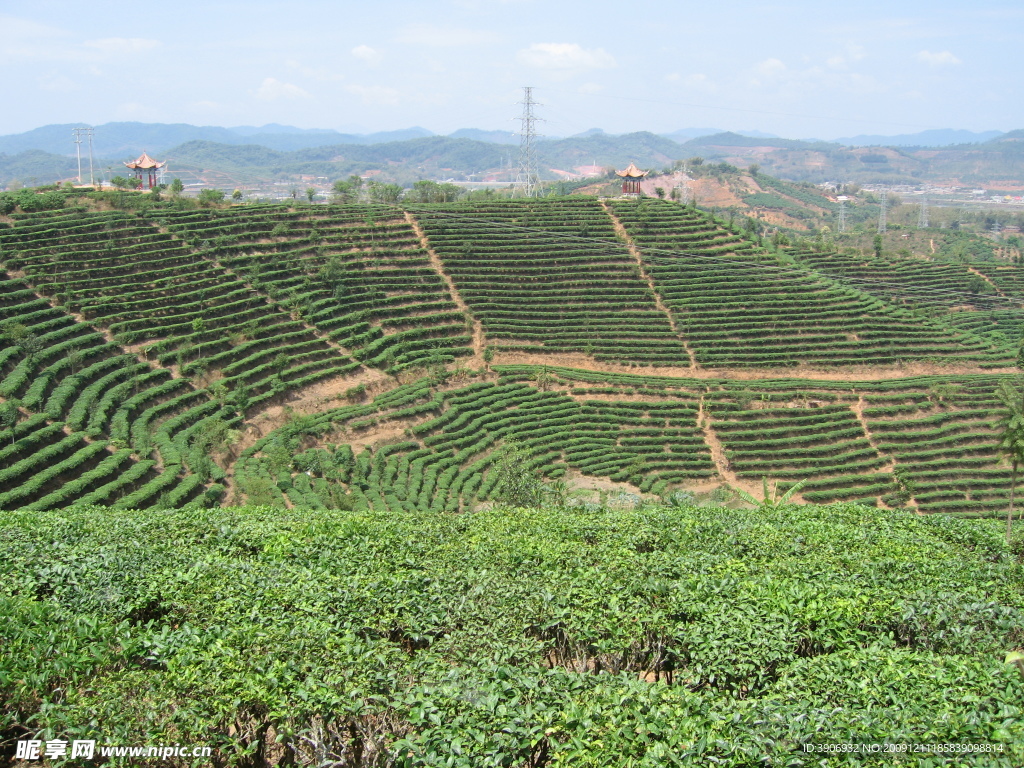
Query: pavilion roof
[
  {"x": 632, "y": 172},
  {"x": 144, "y": 161}
]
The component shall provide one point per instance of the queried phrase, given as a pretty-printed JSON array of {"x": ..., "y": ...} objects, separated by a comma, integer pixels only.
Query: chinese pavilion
[
  {"x": 631, "y": 180},
  {"x": 146, "y": 164}
]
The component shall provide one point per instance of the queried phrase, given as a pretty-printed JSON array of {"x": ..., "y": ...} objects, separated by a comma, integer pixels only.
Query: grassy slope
[{"x": 529, "y": 637}]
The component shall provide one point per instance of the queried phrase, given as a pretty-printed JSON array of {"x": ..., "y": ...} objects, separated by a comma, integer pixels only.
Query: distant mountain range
[
  {"x": 248, "y": 155},
  {"x": 935, "y": 138},
  {"x": 130, "y": 139}
]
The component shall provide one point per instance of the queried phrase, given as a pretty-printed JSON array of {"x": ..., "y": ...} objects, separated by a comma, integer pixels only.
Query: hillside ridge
[{"x": 336, "y": 355}]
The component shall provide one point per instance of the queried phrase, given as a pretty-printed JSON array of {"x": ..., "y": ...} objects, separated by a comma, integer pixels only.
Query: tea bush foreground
[{"x": 513, "y": 637}]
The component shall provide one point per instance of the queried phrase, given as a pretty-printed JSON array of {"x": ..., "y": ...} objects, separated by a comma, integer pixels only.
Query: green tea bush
[{"x": 556, "y": 636}]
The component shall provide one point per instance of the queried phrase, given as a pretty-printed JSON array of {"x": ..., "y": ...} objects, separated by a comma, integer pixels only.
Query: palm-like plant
[
  {"x": 1011, "y": 436},
  {"x": 771, "y": 497}
]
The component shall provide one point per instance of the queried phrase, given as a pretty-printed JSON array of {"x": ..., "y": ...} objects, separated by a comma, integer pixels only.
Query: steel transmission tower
[
  {"x": 842, "y": 216},
  {"x": 528, "y": 178},
  {"x": 881, "y": 212},
  {"x": 922, "y": 219}
]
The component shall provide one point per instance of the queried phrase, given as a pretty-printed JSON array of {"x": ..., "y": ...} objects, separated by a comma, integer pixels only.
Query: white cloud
[
  {"x": 854, "y": 53},
  {"x": 444, "y": 37},
  {"x": 770, "y": 68},
  {"x": 374, "y": 94},
  {"x": 937, "y": 59},
  {"x": 565, "y": 57},
  {"x": 272, "y": 89},
  {"x": 769, "y": 71},
  {"x": 122, "y": 45},
  {"x": 366, "y": 54}
]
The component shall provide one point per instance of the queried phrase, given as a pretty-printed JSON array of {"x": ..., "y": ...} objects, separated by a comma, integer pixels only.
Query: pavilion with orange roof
[
  {"x": 631, "y": 180},
  {"x": 146, "y": 164}
]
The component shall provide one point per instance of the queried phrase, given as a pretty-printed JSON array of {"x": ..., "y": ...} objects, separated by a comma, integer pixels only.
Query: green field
[
  {"x": 557, "y": 636},
  {"x": 463, "y": 485}
]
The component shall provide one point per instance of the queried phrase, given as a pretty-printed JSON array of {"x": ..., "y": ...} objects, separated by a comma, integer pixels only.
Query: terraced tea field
[{"x": 381, "y": 358}]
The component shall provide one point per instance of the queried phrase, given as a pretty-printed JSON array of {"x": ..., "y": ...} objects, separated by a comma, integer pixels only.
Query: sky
[{"x": 794, "y": 68}]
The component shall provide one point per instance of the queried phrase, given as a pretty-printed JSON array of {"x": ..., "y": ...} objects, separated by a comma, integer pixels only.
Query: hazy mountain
[
  {"x": 730, "y": 139},
  {"x": 685, "y": 134},
  {"x": 941, "y": 137},
  {"x": 34, "y": 167},
  {"x": 997, "y": 163},
  {"x": 426, "y": 157},
  {"x": 131, "y": 139},
  {"x": 251, "y": 130},
  {"x": 490, "y": 137}
]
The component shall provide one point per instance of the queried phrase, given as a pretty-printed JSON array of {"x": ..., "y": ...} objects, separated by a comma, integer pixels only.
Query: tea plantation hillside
[
  {"x": 515, "y": 637},
  {"x": 369, "y": 357}
]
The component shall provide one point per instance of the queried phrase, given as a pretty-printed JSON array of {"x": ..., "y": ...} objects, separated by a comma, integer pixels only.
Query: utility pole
[
  {"x": 922, "y": 219},
  {"x": 881, "y": 212},
  {"x": 92, "y": 179},
  {"x": 528, "y": 177},
  {"x": 77, "y": 133}
]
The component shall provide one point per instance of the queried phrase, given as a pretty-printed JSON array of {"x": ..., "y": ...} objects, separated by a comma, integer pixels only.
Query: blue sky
[{"x": 791, "y": 67}]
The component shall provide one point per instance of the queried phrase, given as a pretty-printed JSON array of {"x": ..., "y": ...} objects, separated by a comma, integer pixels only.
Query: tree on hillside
[
  {"x": 384, "y": 193},
  {"x": 177, "y": 187},
  {"x": 518, "y": 483},
  {"x": 1011, "y": 436},
  {"x": 347, "y": 190},
  {"x": 425, "y": 191},
  {"x": 211, "y": 197},
  {"x": 9, "y": 415}
]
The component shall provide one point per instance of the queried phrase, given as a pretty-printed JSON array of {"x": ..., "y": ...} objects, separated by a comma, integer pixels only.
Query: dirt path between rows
[
  {"x": 853, "y": 374},
  {"x": 479, "y": 341},
  {"x": 316, "y": 398},
  {"x": 718, "y": 453},
  {"x": 985, "y": 277},
  {"x": 858, "y": 412},
  {"x": 620, "y": 230}
]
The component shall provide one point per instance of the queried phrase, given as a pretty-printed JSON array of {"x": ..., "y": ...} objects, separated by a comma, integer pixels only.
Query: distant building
[
  {"x": 631, "y": 180},
  {"x": 145, "y": 164}
]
